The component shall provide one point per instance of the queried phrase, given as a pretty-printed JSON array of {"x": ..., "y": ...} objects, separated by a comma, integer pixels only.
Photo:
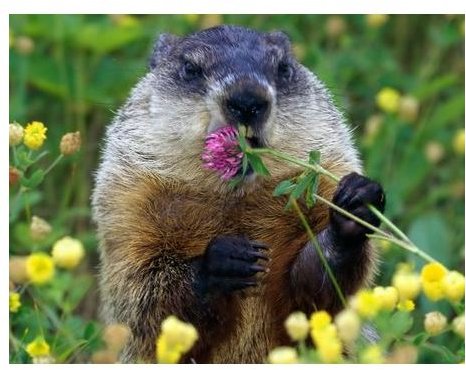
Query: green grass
[{"x": 81, "y": 68}]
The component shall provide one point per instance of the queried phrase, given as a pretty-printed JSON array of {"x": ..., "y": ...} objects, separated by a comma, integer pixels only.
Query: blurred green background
[{"x": 72, "y": 72}]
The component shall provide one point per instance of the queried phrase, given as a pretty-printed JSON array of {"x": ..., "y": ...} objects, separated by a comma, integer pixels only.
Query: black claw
[
  {"x": 259, "y": 245},
  {"x": 258, "y": 268}
]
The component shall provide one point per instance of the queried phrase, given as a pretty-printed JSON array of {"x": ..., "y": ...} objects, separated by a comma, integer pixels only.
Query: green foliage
[{"x": 78, "y": 69}]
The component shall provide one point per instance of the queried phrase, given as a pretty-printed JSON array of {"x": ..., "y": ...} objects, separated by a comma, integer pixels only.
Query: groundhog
[{"x": 177, "y": 240}]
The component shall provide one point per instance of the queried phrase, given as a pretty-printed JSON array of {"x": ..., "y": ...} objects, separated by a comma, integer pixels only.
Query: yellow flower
[
  {"x": 211, "y": 20},
  {"x": 191, "y": 18},
  {"x": 330, "y": 350},
  {"x": 458, "y": 142},
  {"x": 319, "y": 320},
  {"x": 297, "y": 326},
  {"x": 409, "y": 108},
  {"x": 453, "y": 285},
  {"x": 434, "y": 322},
  {"x": 38, "y": 348},
  {"x": 115, "y": 336},
  {"x": 407, "y": 283},
  {"x": 178, "y": 334},
  {"x": 34, "y": 135},
  {"x": 376, "y": 20},
  {"x": 40, "y": 268},
  {"x": 388, "y": 100},
  {"x": 366, "y": 303},
  {"x": 70, "y": 143},
  {"x": 406, "y": 305},
  {"x": 348, "y": 325},
  {"x": 432, "y": 275},
  {"x": 372, "y": 355},
  {"x": 39, "y": 228},
  {"x": 283, "y": 355},
  {"x": 166, "y": 354},
  {"x": 387, "y": 296},
  {"x": 15, "y": 303},
  {"x": 124, "y": 20},
  {"x": 16, "y": 134},
  {"x": 458, "y": 325},
  {"x": 67, "y": 252}
]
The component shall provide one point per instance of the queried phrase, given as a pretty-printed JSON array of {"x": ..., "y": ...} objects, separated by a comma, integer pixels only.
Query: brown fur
[{"x": 153, "y": 227}]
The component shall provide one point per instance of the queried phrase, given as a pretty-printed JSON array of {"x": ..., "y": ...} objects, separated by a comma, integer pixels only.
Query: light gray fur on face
[{"x": 162, "y": 127}]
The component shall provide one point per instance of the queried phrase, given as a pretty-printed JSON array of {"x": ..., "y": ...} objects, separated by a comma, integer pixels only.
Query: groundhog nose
[{"x": 247, "y": 107}]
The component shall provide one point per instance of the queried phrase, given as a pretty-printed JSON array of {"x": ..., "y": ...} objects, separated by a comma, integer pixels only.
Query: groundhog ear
[
  {"x": 162, "y": 47},
  {"x": 280, "y": 39}
]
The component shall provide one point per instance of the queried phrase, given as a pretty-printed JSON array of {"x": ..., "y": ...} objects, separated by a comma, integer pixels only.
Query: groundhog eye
[
  {"x": 285, "y": 71},
  {"x": 191, "y": 71}
]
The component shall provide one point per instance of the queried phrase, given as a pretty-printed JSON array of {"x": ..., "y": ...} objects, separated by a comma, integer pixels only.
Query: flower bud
[
  {"x": 376, "y": 20},
  {"x": 17, "y": 269},
  {"x": 407, "y": 283},
  {"x": 283, "y": 355},
  {"x": 70, "y": 143},
  {"x": 372, "y": 355},
  {"x": 348, "y": 325},
  {"x": 453, "y": 286},
  {"x": 297, "y": 326},
  {"x": 406, "y": 305},
  {"x": 116, "y": 336},
  {"x": 15, "y": 302},
  {"x": 434, "y": 152},
  {"x": 179, "y": 334},
  {"x": 458, "y": 325},
  {"x": 403, "y": 354},
  {"x": 67, "y": 252},
  {"x": 104, "y": 357},
  {"x": 24, "y": 45},
  {"x": 39, "y": 228},
  {"x": 388, "y": 99},
  {"x": 335, "y": 26},
  {"x": 14, "y": 175},
  {"x": 409, "y": 108},
  {"x": 16, "y": 134},
  {"x": 387, "y": 296},
  {"x": 434, "y": 322},
  {"x": 211, "y": 20},
  {"x": 458, "y": 142}
]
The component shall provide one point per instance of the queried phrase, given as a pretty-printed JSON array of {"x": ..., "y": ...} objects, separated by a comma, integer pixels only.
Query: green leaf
[
  {"x": 283, "y": 188},
  {"x": 400, "y": 323},
  {"x": 257, "y": 165},
  {"x": 244, "y": 165},
  {"x": 22, "y": 154},
  {"x": 36, "y": 178},
  {"x": 420, "y": 339},
  {"x": 301, "y": 186}
]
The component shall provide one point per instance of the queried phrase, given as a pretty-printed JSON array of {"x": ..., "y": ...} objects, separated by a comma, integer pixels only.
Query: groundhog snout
[{"x": 248, "y": 106}]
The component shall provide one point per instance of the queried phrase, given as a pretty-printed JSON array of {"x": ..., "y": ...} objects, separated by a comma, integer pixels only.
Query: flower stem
[
  {"x": 55, "y": 162},
  {"x": 299, "y": 162},
  {"x": 405, "y": 243},
  {"x": 408, "y": 246},
  {"x": 351, "y": 216},
  {"x": 315, "y": 243}
]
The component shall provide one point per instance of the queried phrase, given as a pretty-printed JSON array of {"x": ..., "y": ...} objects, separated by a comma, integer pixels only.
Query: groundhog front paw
[
  {"x": 353, "y": 194},
  {"x": 231, "y": 263}
]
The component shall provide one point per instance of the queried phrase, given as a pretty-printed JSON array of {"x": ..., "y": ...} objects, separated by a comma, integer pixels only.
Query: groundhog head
[{"x": 228, "y": 75}]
